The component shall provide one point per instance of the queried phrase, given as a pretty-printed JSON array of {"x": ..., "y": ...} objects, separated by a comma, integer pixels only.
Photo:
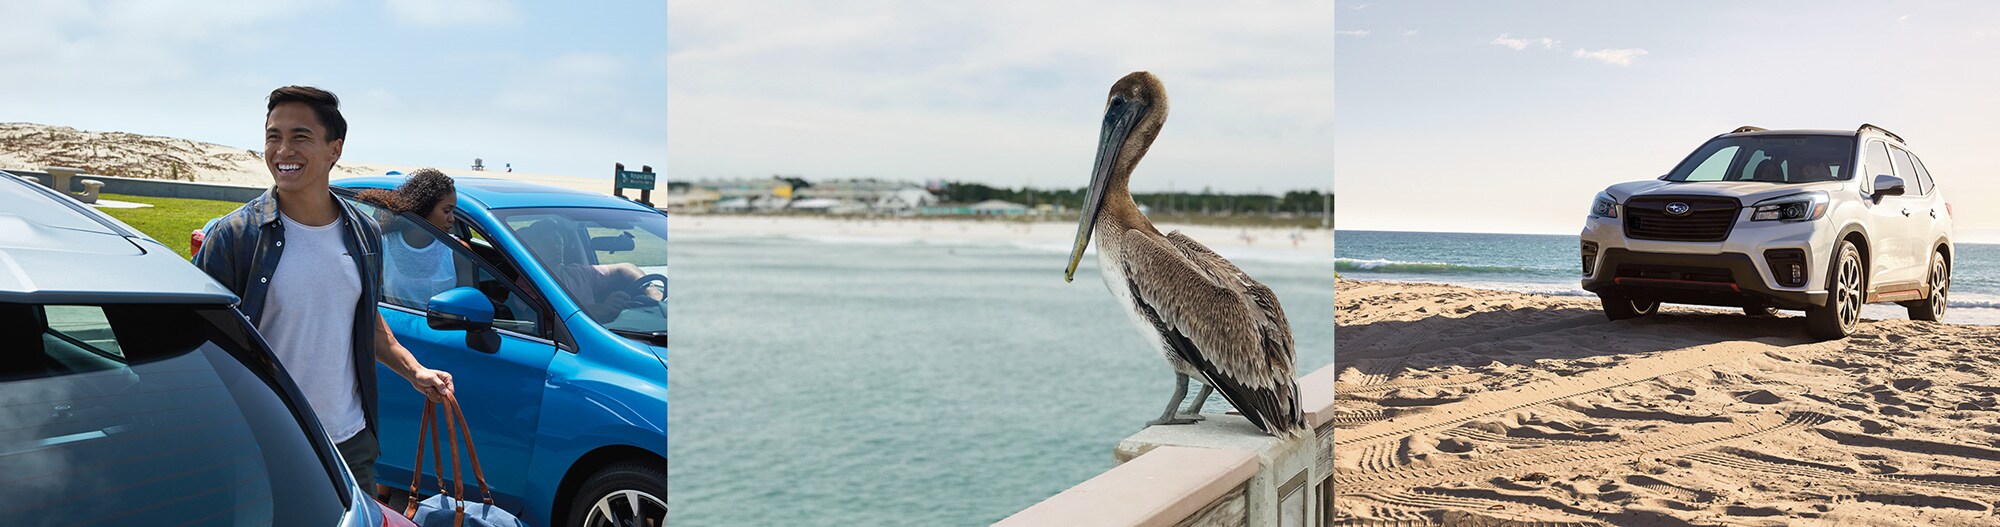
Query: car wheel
[
  {"x": 1846, "y": 279},
  {"x": 1932, "y": 308},
  {"x": 625, "y": 494},
  {"x": 1761, "y": 311},
  {"x": 1621, "y": 308}
]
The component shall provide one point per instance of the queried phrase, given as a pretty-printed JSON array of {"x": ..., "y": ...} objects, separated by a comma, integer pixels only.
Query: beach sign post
[{"x": 641, "y": 180}]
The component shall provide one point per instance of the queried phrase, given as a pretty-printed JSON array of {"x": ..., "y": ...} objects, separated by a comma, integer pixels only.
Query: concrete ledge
[
  {"x": 1316, "y": 396},
  {"x": 158, "y": 188},
  {"x": 1164, "y": 486}
]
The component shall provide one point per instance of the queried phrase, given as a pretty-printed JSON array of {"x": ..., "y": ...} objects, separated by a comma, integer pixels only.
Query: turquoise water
[
  {"x": 824, "y": 383},
  {"x": 1549, "y": 264}
]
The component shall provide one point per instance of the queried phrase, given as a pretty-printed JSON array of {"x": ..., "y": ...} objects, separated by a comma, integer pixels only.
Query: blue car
[{"x": 548, "y": 307}]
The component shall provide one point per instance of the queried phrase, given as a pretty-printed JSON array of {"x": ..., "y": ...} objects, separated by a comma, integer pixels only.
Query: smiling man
[{"x": 314, "y": 298}]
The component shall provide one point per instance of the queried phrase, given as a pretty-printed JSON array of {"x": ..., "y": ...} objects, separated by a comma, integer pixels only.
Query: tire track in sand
[
  {"x": 1666, "y": 443},
  {"x": 1485, "y": 404}
]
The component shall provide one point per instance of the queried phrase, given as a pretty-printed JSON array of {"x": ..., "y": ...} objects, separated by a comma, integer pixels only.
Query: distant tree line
[{"x": 1297, "y": 202}]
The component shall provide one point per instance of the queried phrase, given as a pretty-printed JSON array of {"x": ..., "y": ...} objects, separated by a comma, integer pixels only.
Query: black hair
[{"x": 324, "y": 104}]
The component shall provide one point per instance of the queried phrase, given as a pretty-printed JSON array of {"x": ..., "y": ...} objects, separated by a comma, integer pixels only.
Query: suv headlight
[
  {"x": 1807, "y": 206},
  {"x": 1603, "y": 206}
]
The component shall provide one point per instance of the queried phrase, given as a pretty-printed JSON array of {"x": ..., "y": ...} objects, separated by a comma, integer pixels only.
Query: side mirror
[
  {"x": 466, "y": 309},
  {"x": 1887, "y": 185}
]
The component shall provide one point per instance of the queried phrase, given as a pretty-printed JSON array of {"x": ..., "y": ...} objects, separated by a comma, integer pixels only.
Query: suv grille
[{"x": 1707, "y": 220}]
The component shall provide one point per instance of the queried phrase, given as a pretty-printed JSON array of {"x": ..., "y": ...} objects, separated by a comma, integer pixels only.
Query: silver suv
[{"x": 1776, "y": 219}]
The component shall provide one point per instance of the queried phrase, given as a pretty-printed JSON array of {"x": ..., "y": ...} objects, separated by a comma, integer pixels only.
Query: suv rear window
[
  {"x": 1769, "y": 158},
  {"x": 149, "y": 414}
]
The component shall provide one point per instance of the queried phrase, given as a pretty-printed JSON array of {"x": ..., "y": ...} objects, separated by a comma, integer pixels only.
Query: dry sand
[
  {"x": 36, "y": 146},
  {"x": 1470, "y": 407}
]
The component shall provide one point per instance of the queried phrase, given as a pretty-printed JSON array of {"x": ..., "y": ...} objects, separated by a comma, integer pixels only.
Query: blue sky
[
  {"x": 1005, "y": 93},
  {"x": 554, "y": 88},
  {"x": 1490, "y": 117}
]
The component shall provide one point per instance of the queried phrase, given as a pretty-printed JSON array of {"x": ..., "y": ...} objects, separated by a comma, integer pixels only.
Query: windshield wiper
[{"x": 650, "y": 337}]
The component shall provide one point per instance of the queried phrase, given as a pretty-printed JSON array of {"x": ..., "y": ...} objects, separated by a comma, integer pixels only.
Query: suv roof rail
[
  {"x": 1866, "y": 127},
  {"x": 1748, "y": 128}
]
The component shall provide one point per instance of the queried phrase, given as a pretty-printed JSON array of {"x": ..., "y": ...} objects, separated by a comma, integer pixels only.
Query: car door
[
  {"x": 1937, "y": 215},
  {"x": 1888, "y": 227},
  {"x": 1913, "y": 211},
  {"x": 500, "y": 390}
]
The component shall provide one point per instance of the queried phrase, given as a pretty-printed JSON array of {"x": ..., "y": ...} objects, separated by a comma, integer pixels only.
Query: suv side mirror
[
  {"x": 467, "y": 309},
  {"x": 1887, "y": 185}
]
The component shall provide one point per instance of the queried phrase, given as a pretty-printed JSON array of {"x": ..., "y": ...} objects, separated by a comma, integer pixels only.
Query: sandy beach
[
  {"x": 36, "y": 146},
  {"x": 1471, "y": 407},
  {"x": 1052, "y": 234}
]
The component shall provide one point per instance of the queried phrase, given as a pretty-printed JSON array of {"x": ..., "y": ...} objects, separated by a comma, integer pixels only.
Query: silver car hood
[{"x": 1748, "y": 192}]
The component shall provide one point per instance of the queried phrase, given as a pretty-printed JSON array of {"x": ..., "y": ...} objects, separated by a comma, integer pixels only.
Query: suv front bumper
[{"x": 1726, "y": 279}]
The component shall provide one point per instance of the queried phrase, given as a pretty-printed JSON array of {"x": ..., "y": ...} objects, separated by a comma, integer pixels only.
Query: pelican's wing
[{"x": 1220, "y": 320}]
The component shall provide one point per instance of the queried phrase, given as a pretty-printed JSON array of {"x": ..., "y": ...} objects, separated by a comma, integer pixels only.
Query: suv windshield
[
  {"x": 147, "y": 414},
  {"x": 612, "y": 262},
  {"x": 1769, "y": 158}
]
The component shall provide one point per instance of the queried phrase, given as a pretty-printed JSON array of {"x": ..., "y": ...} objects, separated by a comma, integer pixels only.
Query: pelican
[{"x": 1209, "y": 319}]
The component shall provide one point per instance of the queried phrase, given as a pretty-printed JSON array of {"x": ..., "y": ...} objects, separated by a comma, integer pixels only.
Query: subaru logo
[{"x": 1677, "y": 208}]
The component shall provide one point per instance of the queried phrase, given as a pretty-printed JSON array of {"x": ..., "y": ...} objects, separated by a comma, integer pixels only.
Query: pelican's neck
[{"x": 1120, "y": 213}]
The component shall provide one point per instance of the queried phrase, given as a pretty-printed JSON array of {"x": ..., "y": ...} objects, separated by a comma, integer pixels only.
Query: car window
[
  {"x": 86, "y": 327},
  {"x": 185, "y": 426},
  {"x": 611, "y": 262},
  {"x": 417, "y": 265},
  {"x": 1715, "y": 166},
  {"x": 1923, "y": 175},
  {"x": 1901, "y": 160},
  {"x": 1878, "y": 161},
  {"x": 1768, "y": 158}
]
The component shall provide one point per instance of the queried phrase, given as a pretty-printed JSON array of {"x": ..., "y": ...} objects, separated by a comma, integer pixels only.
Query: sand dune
[
  {"x": 1471, "y": 407},
  {"x": 35, "y": 146}
]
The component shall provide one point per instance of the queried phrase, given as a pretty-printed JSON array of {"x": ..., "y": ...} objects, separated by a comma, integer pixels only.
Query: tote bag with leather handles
[{"x": 451, "y": 510}]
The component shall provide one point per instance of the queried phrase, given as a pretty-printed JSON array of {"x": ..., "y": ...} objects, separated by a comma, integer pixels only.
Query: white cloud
[
  {"x": 1353, "y": 32},
  {"x": 441, "y": 13},
  {"x": 1523, "y": 43},
  {"x": 1621, "y": 57}
]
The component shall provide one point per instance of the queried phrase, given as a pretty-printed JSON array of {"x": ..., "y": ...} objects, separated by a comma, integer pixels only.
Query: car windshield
[
  {"x": 154, "y": 415},
  {"x": 1769, "y": 158},
  {"x": 612, "y": 262}
]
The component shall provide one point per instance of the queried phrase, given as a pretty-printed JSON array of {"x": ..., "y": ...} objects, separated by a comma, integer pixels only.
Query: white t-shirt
[
  {"x": 309, "y": 321},
  {"x": 411, "y": 275}
]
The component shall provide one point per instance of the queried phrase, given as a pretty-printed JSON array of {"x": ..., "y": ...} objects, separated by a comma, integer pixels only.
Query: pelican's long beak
[{"x": 1119, "y": 119}]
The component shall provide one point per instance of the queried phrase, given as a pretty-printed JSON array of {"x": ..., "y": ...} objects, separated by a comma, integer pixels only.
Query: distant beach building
[
  {"x": 478, "y": 164},
  {"x": 905, "y": 201},
  {"x": 994, "y": 207},
  {"x": 688, "y": 198}
]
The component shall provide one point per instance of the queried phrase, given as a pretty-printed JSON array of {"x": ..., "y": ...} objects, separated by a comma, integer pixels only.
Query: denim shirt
[{"x": 242, "y": 250}]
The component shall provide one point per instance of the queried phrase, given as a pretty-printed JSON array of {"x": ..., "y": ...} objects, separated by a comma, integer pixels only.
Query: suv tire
[
  {"x": 1761, "y": 311},
  {"x": 621, "y": 487},
  {"x": 1620, "y": 308},
  {"x": 1932, "y": 307},
  {"x": 1847, "y": 281}
]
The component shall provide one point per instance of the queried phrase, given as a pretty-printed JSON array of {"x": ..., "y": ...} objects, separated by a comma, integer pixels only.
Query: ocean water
[
  {"x": 870, "y": 382},
  {"x": 1549, "y": 264}
]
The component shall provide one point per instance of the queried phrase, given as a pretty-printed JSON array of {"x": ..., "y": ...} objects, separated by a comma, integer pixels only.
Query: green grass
[{"x": 169, "y": 220}]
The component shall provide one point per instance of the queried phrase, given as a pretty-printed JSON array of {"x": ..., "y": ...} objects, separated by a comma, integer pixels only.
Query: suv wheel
[
  {"x": 1845, "y": 280},
  {"x": 625, "y": 493},
  {"x": 1932, "y": 308},
  {"x": 1621, "y": 308},
  {"x": 1761, "y": 311}
]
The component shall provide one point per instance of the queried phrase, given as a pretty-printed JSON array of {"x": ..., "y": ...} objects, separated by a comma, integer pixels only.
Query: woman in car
[{"x": 414, "y": 266}]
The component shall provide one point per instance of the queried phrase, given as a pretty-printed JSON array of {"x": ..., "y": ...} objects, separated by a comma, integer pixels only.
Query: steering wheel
[{"x": 637, "y": 291}]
